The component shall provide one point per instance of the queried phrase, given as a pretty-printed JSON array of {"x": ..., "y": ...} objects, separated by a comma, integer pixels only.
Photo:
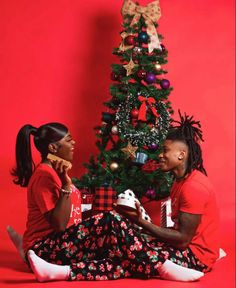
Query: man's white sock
[
  {"x": 45, "y": 271},
  {"x": 172, "y": 271},
  {"x": 16, "y": 240}
]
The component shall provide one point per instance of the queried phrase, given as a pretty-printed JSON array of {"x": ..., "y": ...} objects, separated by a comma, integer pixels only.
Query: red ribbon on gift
[{"x": 143, "y": 108}]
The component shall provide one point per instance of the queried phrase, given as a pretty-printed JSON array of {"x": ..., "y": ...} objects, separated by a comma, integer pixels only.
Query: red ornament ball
[
  {"x": 130, "y": 40},
  {"x": 114, "y": 76},
  {"x": 134, "y": 113},
  {"x": 141, "y": 73}
]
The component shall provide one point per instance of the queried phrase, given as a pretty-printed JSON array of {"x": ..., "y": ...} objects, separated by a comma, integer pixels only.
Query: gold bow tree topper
[{"x": 151, "y": 14}]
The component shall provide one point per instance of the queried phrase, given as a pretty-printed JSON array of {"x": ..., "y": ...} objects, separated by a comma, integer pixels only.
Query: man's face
[{"x": 172, "y": 156}]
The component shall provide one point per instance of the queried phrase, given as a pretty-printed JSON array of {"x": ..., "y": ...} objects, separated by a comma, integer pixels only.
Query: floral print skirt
[{"x": 108, "y": 246}]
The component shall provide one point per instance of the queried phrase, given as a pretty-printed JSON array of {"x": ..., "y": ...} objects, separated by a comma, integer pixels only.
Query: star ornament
[
  {"x": 130, "y": 150},
  {"x": 129, "y": 67}
]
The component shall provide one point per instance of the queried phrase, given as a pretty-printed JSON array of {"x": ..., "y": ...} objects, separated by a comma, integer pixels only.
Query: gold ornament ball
[
  {"x": 157, "y": 66},
  {"x": 114, "y": 166},
  {"x": 114, "y": 130}
]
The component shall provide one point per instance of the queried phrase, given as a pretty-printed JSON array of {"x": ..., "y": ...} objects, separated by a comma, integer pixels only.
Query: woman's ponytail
[{"x": 24, "y": 162}]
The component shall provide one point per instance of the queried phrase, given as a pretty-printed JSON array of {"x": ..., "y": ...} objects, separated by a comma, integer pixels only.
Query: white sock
[
  {"x": 16, "y": 240},
  {"x": 172, "y": 271},
  {"x": 45, "y": 271}
]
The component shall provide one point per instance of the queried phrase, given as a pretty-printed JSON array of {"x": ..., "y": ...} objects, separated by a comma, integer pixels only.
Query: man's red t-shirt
[
  {"x": 195, "y": 195},
  {"x": 42, "y": 195}
]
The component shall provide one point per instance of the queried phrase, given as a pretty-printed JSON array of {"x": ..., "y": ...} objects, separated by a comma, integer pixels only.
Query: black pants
[{"x": 108, "y": 246}]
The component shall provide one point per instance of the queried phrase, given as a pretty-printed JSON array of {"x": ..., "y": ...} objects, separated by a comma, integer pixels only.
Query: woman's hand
[
  {"x": 60, "y": 215},
  {"x": 62, "y": 171}
]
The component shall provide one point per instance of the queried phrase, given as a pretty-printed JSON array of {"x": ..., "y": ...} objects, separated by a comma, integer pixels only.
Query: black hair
[
  {"x": 188, "y": 131},
  {"x": 43, "y": 136}
]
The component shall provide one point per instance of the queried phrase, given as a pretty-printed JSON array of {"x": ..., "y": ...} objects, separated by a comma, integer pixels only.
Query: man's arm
[{"x": 180, "y": 238}]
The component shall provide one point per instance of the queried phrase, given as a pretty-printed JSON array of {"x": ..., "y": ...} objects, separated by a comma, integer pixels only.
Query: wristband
[{"x": 66, "y": 192}]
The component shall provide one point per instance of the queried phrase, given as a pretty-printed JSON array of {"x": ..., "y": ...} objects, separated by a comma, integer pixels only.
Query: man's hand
[{"x": 134, "y": 215}]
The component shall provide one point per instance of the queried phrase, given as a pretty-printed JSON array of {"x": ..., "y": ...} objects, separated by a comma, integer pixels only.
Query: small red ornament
[
  {"x": 141, "y": 73},
  {"x": 130, "y": 40},
  {"x": 114, "y": 76},
  {"x": 134, "y": 113}
]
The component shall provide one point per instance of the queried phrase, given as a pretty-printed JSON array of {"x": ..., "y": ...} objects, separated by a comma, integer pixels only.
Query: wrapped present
[
  {"x": 104, "y": 199},
  {"x": 87, "y": 196},
  {"x": 127, "y": 199},
  {"x": 87, "y": 199},
  {"x": 166, "y": 220}
]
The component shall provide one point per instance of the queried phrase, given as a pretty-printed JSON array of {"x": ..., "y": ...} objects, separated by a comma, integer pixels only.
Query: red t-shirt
[
  {"x": 195, "y": 195},
  {"x": 42, "y": 195}
]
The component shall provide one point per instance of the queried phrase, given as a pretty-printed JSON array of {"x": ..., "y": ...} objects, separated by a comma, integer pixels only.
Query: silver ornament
[
  {"x": 137, "y": 49},
  {"x": 114, "y": 130}
]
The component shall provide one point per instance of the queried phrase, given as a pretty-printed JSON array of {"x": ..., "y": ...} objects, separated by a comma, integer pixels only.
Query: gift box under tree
[
  {"x": 87, "y": 195},
  {"x": 104, "y": 198}
]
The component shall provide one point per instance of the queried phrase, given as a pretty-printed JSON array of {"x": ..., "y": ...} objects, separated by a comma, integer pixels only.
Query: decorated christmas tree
[{"x": 137, "y": 116}]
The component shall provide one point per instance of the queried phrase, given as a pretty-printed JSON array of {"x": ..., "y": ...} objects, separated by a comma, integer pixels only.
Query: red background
[{"x": 55, "y": 66}]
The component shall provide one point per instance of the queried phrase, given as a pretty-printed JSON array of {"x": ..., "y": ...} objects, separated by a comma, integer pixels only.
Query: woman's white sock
[
  {"x": 17, "y": 241},
  {"x": 45, "y": 271},
  {"x": 172, "y": 271}
]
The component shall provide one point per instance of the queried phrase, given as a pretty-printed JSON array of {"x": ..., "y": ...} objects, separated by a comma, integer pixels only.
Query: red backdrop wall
[{"x": 55, "y": 66}]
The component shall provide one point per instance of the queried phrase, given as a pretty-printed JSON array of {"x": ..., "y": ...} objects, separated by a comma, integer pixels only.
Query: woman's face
[{"x": 66, "y": 147}]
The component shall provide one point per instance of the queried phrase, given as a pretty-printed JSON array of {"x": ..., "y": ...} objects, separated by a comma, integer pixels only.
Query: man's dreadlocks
[{"x": 189, "y": 132}]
